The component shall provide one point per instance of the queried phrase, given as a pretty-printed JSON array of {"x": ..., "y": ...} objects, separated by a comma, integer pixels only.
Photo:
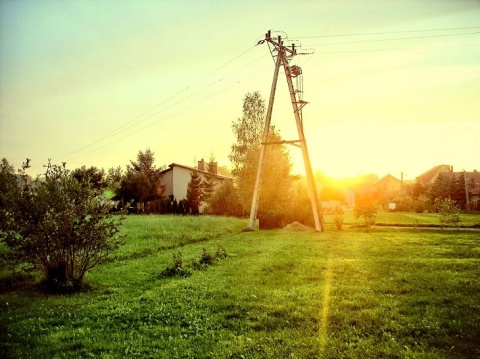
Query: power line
[
  {"x": 133, "y": 122},
  {"x": 172, "y": 114},
  {"x": 386, "y": 32},
  {"x": 397, "y": 49},
  {"x": 393, "y": 39}
]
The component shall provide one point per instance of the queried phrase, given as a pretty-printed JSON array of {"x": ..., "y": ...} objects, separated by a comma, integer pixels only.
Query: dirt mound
[{"x": 297, "y": 227}]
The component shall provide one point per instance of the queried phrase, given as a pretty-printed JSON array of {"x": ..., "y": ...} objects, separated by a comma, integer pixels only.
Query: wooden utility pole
[
  {"x": 466, "y": 190},
  {"x": 283, "y": 56}
]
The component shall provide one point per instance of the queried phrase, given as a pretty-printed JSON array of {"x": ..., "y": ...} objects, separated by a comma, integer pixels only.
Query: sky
[{"x": 392, "y": 86}]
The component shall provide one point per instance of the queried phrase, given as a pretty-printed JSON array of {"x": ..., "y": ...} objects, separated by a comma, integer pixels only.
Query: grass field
[
  {"x": 410, "y": 219},
  {"x": 389, "y": 293}
]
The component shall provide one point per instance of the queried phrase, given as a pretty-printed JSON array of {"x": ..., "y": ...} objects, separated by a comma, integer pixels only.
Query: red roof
[{"x": 431, "y": 175}]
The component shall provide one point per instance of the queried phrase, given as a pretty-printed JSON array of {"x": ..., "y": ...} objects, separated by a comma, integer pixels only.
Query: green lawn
[
  {"x": 409, "y": 219},
  {"x": 389, "y": 293}
]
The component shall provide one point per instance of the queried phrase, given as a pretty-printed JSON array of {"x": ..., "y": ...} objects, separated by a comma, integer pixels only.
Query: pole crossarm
[
  {"x": 301, "y": 104},
  {"x": 279, "y": 44},
  {"x": 283, "y": 56},
  {"x": 295, "y": 143}
]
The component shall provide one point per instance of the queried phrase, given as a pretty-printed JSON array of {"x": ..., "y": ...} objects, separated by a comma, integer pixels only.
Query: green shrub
[
  {"x": 338, "y": 217},
  {"x": 60, "y": 227},
  {"x": 449, "y": 212},
  {"x": 207, "y": 257},
  {"x": 367, "y": 209},
  {"x": 180, "y": 269}
]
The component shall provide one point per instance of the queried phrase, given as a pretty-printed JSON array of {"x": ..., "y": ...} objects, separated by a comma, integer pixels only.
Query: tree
[
  {"x": 146, "y": 164},
  {"x": 9, "y": 191},
  {"x": 366, "y": 208},
  {"x": 225, "y": 201},
  {"x": 60, "y": 227},
  {"x": 248, "y": 131},
  {"x": 442, "y": 188},
  {"x": 135, "y": 188},
  {"x": 141, "y": 183},
  {"x": 114, "y": 178},
  {"x": 208, "y": 183},
  {"x": 418, "y": 190},
  {"x": 194, "y": 192},
  {"x": 458, "y": 191},
  {"x": 275, "y": 192},
  {"x": 93, "y": 175},
  {"x": 277, "y": 182},
  {"x": 449, "y": 212}
]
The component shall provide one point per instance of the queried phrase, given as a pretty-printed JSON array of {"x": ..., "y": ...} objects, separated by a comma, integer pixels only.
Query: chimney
[{"x": 201, "y": 165}]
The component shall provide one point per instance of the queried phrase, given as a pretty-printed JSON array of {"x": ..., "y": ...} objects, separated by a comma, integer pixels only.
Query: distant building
[
  {"x": 471, "y": 180},
  {"x": 472, "y": 184},
  {"x": 472, "y": 187},
  {"x": 387, "y": 184},
  {"x": 428, "y": 178},
  {"x": 176, "y": 177}
]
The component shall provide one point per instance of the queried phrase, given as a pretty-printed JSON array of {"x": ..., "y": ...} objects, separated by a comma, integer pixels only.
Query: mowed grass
[
  {"x": 389, "y": 293},
  {"x": 408, "y": 219}
]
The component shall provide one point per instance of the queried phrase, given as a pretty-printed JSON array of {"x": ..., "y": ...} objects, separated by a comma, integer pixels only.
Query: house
[
  {"x": 472, "y": 186},
  {"x": 471, "y": 180},
  {"x": 387, "y": 184},
  {"x": 176, "y": 177},
  {"x": 428, "y": 178},
  {"x": 385, "y": 188}
]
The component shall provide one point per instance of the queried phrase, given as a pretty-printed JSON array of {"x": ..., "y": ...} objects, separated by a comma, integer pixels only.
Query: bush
[
  {"x": 449, "y": 212},
  {"x": 366, "y": 208},
  {"x": 60, "y": 227},
  {"x": 338, "y": 217},
  {"x": 207, "y": 257},
  {"x": 225, "y": 201},
  {"x": 180, "y": 269}
]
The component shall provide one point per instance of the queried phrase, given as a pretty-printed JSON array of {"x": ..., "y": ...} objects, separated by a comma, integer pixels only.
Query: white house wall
[
  {"x": 176, "y": 180},
  {"x": 181, "y": 177},
  {"x": 167, "y": 181}
]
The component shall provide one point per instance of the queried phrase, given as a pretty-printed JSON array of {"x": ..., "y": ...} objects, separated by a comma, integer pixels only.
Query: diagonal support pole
[
  {"x": 258, "y": 179},
  {"x": 312, "y": 188}
]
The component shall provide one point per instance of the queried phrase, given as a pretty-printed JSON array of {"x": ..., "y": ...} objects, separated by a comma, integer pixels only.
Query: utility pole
[
  {"x": 466, "y": 190},
  {"x": 283, "y": 56}
]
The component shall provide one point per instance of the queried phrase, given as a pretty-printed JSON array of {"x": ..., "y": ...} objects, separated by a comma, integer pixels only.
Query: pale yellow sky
[{"x": 94, "y": 82}]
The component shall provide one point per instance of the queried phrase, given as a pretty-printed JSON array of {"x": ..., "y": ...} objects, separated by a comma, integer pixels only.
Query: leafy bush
[
  {"x": 60, "y": 227},
  {"x": 221, "y": 252},
  {"x": 449, "y": 212},
  {"x": 207, "y": 257},
  {"x": 225, "y": 201},
  {"x": 180, "y": 269},
  {"x": 338, "y": 217},
  {"x": 367, "y": 209}
]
